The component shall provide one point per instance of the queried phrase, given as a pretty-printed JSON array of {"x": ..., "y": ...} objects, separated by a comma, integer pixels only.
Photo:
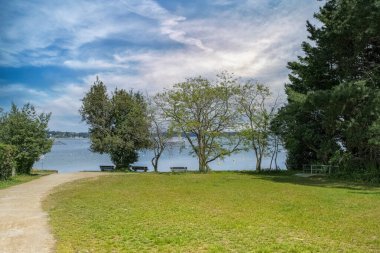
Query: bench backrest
[
  {"x": 106, "y": 167},
  {"x": 144, "y": 168},
  {"x": 178, "y": 169}
]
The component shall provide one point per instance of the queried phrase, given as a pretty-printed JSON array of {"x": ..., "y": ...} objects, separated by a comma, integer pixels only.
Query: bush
[
  {"x": 7, "y": 161},
  {"x": 26, "y": 130},
  {"x": 354, "y": 168}
]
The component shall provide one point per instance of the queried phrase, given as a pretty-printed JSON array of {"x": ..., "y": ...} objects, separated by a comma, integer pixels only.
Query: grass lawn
[
  {"x": 216, "y": 212},
  {"x": 19, "y": 179}
]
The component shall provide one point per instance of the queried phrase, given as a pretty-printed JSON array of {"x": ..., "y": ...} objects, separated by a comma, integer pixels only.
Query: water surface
[{"x": 70, "y": 155}]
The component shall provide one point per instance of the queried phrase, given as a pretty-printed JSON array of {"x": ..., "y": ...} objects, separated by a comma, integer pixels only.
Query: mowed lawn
[
  {"x": 23, "y": 178},
  {"x": 216, "y": 212}
]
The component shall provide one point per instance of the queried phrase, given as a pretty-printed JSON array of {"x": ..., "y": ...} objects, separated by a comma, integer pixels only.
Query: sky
[{"x": 51, "y": 51}]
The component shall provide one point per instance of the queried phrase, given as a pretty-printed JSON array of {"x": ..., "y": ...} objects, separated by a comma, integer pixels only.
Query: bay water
[{"x": 73, "y": 154}]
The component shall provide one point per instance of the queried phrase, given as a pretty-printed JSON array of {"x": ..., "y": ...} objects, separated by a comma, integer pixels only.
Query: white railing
[{"x": 318, "y": 169}]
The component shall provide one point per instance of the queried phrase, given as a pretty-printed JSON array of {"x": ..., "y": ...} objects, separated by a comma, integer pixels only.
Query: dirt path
[{"x": 23, "y": 224}]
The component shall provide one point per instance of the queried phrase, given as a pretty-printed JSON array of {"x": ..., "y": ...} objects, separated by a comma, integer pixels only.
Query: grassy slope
[
  {"x": 19, "y": 179},
  {"x": 218, "y": 212}
]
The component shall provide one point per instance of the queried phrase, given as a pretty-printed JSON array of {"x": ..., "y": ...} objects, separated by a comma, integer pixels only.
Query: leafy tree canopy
[
  {"x": 333, "y": 109},
  {"x": 118, "y": 123},
  {"x": 203, "y": 112},
  {"x": 26, "y": 130}
]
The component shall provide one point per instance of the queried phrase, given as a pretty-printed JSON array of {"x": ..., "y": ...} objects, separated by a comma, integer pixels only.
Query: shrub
[
  {"x": 7, "y": 161},
  {"x": 26, "y": 130}
]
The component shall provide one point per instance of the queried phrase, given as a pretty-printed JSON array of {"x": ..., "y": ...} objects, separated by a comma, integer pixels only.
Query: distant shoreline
[{"x": 59, "y": 134}]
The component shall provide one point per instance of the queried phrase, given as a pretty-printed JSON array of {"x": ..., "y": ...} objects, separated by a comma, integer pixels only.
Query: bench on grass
[
  {"x": 178, "y": 169},
  {"x": 107, "y": 167},
  {"x": 137, "y": 168}
]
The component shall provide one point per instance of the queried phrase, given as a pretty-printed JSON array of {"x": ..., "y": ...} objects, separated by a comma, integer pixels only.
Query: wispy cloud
[
  {"x": 11, "y": 90},
  {"x": 93, "y": 64},
  {"x": 249, "y": 48},
  {"x": 145, "y": 45},
  {"x": 169, "y": 23}
]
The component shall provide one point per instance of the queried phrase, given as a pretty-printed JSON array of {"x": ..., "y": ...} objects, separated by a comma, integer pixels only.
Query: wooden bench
[
  {"x": 107, "y": 167},
  {"x": 178, "y": 169},
  {"x": 137, "y": 168}
]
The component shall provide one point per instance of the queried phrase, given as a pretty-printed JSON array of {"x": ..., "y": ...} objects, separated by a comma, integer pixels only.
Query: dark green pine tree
[{"x": 333, "y": 110}]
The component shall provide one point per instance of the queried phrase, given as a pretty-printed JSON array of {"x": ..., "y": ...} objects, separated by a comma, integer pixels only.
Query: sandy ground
[{"x": 23, "y": 224}]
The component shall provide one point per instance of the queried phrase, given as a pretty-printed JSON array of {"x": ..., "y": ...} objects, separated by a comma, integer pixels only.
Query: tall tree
[
  {"x": 26, "y": 130},
  {"x": 204, "y": 113},
  {"x": 333, "y": 112},
  {"x": 160, "y": 132},
  {"x": 119, "y": 124},
  {"x": 253, "y": 104}
]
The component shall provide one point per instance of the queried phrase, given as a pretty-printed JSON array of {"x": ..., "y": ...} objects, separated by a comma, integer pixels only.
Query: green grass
[
  {"x": 19, "y": 179},
  {"x": 217, "y": 212}
]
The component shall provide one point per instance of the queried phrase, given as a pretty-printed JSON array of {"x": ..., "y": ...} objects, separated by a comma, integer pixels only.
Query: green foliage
[
  {"x": 216, "y": 212},
  {"x": 203, "y": 111},
  {"x": 160, "y": 132},
  {"x": 26, "y": 130},
  {"x": 333, "y": 105},
  {"x": 7, "y": 162},
  {"x": 119, "y": 125},
  {"x": 252, "y": 103},
  {"x": 96, "y": 111}
]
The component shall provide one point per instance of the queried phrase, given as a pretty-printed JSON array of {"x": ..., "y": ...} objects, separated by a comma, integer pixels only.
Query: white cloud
[
  {"x": 249, "y": 39},
  {"x": 251, "y": 48},
  {"x": 21, "y": 90},
  {"x": 63, "y": 101},
  {"x": 93, "y": 64},
  {"x": 168, "y": 22},
  {"x": 261, "y": 52},
  {"x": 67, "y": 25},
  {"x": 71, "y": 24}
]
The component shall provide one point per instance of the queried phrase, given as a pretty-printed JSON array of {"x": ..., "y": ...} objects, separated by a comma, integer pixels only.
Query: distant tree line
[{"x": 60, "y": 134}]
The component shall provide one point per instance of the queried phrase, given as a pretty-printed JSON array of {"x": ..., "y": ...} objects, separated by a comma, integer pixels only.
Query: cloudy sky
[{"x": 51, "y": 51}]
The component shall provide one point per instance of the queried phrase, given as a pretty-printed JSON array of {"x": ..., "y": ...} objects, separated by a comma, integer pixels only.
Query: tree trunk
[
  {"x": 271, "y": 161},
  {"x": 258, "y": 158},
  {"x": 258, "y": 162},
  {"x": 202, "y": 163},
  {"x": 154, "y": 161},
  {"x": 275, "y": 157},
  {"x": 202, "y": 155}
]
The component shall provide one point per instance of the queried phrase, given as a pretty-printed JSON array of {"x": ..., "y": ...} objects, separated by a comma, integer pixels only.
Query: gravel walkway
[{"x": 23, "y": 224}]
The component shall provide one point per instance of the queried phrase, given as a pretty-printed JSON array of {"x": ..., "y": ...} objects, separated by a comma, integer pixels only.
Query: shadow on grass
[
  {"x": 366, "y": 192},
  {"x": 316, "y": 181}
]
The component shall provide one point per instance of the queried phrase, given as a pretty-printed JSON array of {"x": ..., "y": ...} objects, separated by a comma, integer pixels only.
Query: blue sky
[{"x": 51, "y": 51}]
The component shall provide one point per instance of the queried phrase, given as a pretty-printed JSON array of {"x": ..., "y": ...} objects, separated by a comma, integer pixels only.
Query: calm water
[{"x": 70, "y": 155}]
